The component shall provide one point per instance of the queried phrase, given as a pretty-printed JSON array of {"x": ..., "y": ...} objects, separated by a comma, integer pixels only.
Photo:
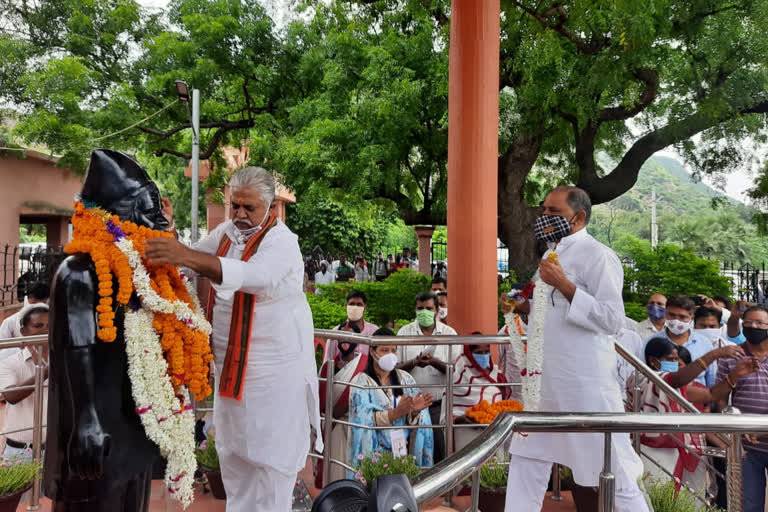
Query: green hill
[{"x": 691, "y": 214}]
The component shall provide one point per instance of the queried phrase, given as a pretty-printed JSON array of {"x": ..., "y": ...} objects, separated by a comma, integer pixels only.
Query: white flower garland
[
  {"x": 531, "y": 360},
  {"x": 167, "y": 421}
]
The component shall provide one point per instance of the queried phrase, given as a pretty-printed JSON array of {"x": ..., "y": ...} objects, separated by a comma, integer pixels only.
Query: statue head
[{"x": 117, "y": 183}]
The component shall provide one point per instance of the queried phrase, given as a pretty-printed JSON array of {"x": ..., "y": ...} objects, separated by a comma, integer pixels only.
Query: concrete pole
[
  {"x": 654, "y": 225},
  {"x": 473, "y": 127},
  {"x": 195, "y": 163}
]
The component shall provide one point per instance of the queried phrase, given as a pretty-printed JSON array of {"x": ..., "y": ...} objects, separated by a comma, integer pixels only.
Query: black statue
[{"x": 98, "y": 458}]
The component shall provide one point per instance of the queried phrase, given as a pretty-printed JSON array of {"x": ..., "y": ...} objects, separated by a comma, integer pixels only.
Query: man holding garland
[
  {"x": 570, "y": 363},
  {"x": 262, "y": 342}
]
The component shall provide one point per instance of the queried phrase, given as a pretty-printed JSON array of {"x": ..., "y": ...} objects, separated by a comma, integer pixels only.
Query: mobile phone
[{"x": 430, "y": 350}]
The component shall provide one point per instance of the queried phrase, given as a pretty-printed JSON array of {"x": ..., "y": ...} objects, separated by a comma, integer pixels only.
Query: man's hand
[
  {"x": 750, "y": 365},
  {"x": 736, "y": 308},
  {"x": 752, "y": 438},
  {"x": 167, "y": 251},
  {"x": 167, "y": 207},
  {"x": 551, "y": 272},
  {"x": 730, "y": 351},
  {"x": 709, "y": 303}
]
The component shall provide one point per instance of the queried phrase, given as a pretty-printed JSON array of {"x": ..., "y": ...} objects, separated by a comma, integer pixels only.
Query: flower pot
[
  {"x": 492, "y": 500},
  {"x": 215, "y": 483},
  {"x": 10, "y": 502},
  {"x": 585, "y": 498}
]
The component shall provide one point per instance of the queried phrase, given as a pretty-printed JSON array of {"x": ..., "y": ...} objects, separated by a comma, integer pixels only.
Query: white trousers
[
  {"x": 255, "y": 487},
  {"x": 527, "y": 486}
]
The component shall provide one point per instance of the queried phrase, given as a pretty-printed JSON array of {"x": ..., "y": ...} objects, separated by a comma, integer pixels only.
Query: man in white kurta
[
  {"x": 579, "y": 374},
  {"x": 263, "y": 439}
]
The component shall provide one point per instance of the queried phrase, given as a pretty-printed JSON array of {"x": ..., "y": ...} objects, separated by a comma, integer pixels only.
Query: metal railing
[
  {"x": 32, "y": 343},
  {"x": 734, "y": 448}
]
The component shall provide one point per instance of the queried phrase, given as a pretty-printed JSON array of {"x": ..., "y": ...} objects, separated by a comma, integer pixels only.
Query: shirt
[
  {"x": 326, "y": 278},
  {"x": 361, "y": 274},
  {"x": 445, "y": 353},
  {"x": 10, "y": 328},
  {"x": 750, "y": 395},
  {"x": 331, "y": 345},
  {"x": 698, "y": 348},
  {"x": 645, "y": 329},
  {"x": 14, "y": 370}
]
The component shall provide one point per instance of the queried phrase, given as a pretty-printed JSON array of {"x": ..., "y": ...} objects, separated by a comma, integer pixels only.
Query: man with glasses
[{"x": 678, "y": 329}]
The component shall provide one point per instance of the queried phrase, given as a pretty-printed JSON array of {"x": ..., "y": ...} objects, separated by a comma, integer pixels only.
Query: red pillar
[
  {"x": 424, "y": 234},
  {"x": 473, "y": 124}
]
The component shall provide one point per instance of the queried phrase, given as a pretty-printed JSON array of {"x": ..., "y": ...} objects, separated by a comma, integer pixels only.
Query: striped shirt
[{"x": 751, "y": 393}]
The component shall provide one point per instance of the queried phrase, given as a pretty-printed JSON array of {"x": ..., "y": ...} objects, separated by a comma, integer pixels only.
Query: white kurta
[
  {"x": 271, "y": 425},
  {"x": 579, "y": 368}
]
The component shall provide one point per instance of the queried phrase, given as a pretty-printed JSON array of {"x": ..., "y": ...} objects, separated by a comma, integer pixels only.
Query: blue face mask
[
  {"x": 483, "y": 360},
  {"x": 655, "y": 312},
  {"x": 670, "y": 366}
]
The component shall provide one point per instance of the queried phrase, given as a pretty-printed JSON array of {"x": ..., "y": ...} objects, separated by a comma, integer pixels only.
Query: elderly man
[
  {"x": 262, "y": 343},
  {"x": 583, "y": 313},
  {"x": 655, "y": 309}
]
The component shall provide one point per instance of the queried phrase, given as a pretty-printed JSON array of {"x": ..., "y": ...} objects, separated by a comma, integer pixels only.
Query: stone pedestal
[{"x": 424, "y": 234}]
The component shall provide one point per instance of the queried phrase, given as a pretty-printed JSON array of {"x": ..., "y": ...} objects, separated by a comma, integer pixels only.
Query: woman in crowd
[
  {"x": 663, "y": 356},
  {"x": 476, "y": 379},
  {"x": 347, "y": 364},
  {"x": 385, "y": 407}
]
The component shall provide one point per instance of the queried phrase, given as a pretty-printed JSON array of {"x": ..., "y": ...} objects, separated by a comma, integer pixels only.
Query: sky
[{"x": 736, "y": 185}]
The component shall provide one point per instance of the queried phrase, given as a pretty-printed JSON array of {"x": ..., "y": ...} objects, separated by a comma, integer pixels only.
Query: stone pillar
[
  {"x": 216, "y": 213},
  {"x": 424, "y": 234},
  {"x": 57, "y": 232},
  {"x": 473, "y": 127}
]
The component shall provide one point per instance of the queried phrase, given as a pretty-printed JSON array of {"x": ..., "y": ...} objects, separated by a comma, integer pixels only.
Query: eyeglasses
[{"x": 753, "y": 323}]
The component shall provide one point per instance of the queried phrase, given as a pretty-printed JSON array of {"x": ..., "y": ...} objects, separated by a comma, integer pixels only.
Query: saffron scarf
[{"x": 236, "y": 359}]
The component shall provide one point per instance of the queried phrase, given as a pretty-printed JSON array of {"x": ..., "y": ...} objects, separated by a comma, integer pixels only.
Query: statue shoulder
[{"x": 76, "y": 270}]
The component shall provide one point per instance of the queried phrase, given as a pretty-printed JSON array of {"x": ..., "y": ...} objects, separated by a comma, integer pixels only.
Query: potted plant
[
  {"x": 493, "y": 485},
  {"x": 664, "y": 498},
  {"x": 384, "y": 463},
  {"x": 16, "y": 477},
  {"x": 208, "y": 459}
]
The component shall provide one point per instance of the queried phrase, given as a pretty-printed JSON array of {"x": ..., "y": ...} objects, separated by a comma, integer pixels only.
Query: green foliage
[
  {"x": 388, "y": 300},
  {"x": 385, "y": 463},
  {"x": 494, "y": 473},
  {"x": 636, "y": 310},
  {"x": 326, "y": 314},
  {"x": 32, "y": 233},
  {"x": 664, "y": 498},
  {"x": 17, "y": 474},
  {"x": 207, "y": 456}
]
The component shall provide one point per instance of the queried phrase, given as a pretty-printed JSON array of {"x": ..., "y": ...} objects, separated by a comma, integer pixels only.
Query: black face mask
[
  {"x": 347, "y": 351},
  {"x": 754, "y": 335}
]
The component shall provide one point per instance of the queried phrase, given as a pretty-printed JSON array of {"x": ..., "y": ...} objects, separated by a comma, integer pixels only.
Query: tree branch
[
  {"x": 585, "y": 47},
  {"x": 214, "y": 143},
  {"x": 650, "y": 77},
  {"x": 624, "y": 176}
]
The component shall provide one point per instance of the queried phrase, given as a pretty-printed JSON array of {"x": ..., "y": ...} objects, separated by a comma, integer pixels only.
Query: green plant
[
  {"x": 16, "y": 474},
  {"x": 391, "y": 299},
  {"x": 635, "y": 310},
  {"x": 664, "y": 498},
  {"x": 207, "y": 456},
  {"x": 494, "y": 473},
  {"x": 384, "y": 463},
  {"x": 326, "y": 314}
]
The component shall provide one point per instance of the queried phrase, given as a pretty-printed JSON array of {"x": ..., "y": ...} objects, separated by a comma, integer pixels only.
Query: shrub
[
  {"x": 635, "y": 311},
  {"x": 207, "y": 456},
  {"x": 664, "y": 499},
  {"x": 494, "y": 473},
  {"x": 325, "y": 314},
  {"x": 384, "y": 463},
  {"x": 388, "y": 300}
]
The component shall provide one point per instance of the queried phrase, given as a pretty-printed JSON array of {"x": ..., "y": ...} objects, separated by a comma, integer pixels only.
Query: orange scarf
[{"x": 236, "y": 360}]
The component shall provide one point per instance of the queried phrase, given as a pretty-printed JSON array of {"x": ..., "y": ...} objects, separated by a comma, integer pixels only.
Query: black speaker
[
  {"x": 342, "y": 496},
  {"x": 391, "y": 490}
]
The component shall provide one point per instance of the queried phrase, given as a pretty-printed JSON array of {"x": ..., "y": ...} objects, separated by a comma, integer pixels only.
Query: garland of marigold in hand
[
  {"x": 186, "y": 350},
  {"x": 485, "y": 412}
]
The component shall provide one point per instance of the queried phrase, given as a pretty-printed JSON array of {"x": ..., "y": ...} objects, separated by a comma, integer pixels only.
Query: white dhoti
[{"x": 254, "y": 487}]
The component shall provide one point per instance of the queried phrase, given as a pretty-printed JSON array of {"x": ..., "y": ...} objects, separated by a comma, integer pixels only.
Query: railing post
[
  {"x": 556, "y": 483},
  {"x": 733, "y": 476},
  {"x": 475, "y": 490},
  {"x": 607, "y": 480},
  {"x": 636, "y": 408},
  {"x": 448, "y": 403},
  {"x": 37, "y": 428},
  {"x": 328, "y": 425}
]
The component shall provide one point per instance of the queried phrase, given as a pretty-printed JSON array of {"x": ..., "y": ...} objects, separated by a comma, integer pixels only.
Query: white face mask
[
  {"x": 442, "y": 313},
  {"x": 709, "y": 334},
  {"x": 247, "y": 233},
  {"x": 355, "y": 313},
  {"x": 677, "y": 327},
  {"x": 388, "y": 362}
]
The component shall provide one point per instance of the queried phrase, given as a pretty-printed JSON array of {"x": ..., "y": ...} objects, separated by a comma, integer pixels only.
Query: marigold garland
[
  {"x": 185, "y": 347},
  {"x": 485, "y": 412}
]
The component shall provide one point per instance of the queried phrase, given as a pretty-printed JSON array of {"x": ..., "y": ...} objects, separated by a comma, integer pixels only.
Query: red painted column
[
  {"x": 424, "y": 235},
  {"x": 473, "y": 124}
]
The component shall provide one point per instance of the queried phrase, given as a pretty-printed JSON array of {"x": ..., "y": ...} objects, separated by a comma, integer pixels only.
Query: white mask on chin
[{"x": 244, "y": 234}]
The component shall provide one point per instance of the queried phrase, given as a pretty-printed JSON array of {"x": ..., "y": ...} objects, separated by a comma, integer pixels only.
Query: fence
[
  {"x": 745, "y": 280},
  {"x": 439, "y": 252},
  {"x": 23, "y": 265},
  {"x": 634, "y": 423}
]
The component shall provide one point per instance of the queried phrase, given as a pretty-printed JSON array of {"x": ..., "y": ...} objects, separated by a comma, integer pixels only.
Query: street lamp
[{"x": 182, "y": 90}]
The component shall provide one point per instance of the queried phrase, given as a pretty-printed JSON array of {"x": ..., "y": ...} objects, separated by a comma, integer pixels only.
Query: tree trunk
[{"x": 516, "y": 218}]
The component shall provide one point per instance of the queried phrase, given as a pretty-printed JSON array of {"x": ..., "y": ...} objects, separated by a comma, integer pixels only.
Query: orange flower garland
[
  {"x": 187, "y": 351},
  {"x": 486, "y": 413}
]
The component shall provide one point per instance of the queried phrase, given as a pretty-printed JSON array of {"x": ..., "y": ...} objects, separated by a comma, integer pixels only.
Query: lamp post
[{"x": 182, "y": 89}]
